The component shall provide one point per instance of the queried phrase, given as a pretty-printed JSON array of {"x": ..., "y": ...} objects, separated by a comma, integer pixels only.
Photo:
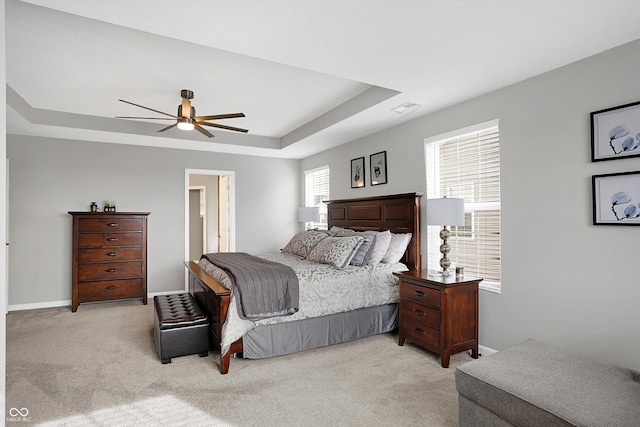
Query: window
[
  {"x": 316, "y": 191},
  {"x": 466, "y": 164}
]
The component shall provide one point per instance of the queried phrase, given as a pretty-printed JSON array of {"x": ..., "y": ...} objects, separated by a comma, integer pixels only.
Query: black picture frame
[
  {"x": 616, "y": 198},
  {"x": 357, "y": 173},
  {"x": 378, "y": 168},
  {"x": 615, "y": 132}
]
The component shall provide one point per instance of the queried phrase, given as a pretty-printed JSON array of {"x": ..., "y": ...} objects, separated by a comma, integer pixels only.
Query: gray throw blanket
[{"x": 264, "y": 288}]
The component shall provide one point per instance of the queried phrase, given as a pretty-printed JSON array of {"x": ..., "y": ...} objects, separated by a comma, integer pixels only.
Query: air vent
[{"x": 406, "y": 108}]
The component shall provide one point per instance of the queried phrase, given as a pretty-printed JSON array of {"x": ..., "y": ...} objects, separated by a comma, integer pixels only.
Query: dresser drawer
[
  {"x": 420, "y": 294},
  {"x": 112, "y": 289},
  {"x": 109, "y": 254},
  {"x": 109, "y": 224},
  {"x": 422, "y": 335},
  {"x": 109, "y": 239},
  {"x": 424, "y": 315},
  {"x": 109, "y": 270}
]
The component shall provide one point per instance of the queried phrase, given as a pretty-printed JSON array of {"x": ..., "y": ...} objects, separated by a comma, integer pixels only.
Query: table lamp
[
  {"x": 309, "y": 214},
  {"x": 445, "y": 212}
]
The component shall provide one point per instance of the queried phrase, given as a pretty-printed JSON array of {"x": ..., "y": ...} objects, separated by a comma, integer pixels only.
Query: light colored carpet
[{"x": 99, "y": 367}]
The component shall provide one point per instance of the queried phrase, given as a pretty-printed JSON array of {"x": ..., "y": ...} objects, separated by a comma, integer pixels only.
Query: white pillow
[
  {"x": 378, "y": 248},
  {"x": 397, "y": 247},
  {"x": 336, "y": 251}
]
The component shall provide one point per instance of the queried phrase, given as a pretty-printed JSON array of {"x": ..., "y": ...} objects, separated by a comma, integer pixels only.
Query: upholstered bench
[
  {"x": 533, "y": 384},
  {"x": 180, "y": 327}
]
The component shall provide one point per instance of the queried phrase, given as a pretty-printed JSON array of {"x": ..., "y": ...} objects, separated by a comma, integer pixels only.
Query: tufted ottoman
[{"x": 180, "y": 327}]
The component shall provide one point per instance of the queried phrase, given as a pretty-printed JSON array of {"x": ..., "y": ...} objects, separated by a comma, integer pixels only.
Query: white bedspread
[{"x": 323, "y": 290}]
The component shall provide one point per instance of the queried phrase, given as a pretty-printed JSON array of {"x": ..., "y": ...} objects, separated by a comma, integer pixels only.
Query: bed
[{"x": 313, "y": 327}]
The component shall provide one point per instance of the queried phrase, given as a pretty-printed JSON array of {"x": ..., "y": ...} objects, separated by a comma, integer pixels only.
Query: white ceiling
[{"x": 308, "y": 74}]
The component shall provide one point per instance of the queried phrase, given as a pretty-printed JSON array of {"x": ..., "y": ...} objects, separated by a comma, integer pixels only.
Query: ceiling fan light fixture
[{"x": 185, "y": 123}]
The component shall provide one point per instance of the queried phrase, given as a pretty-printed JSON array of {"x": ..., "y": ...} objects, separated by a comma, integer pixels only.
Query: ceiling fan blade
[
  {"x": 168, "y": 127},
  {"x": 144, "y": 118},
  {"x": 215, "y": 125},
  {"x": 147, "y": 108},
  {"x": 202, "y": 130},
  {"x": 219, "y": 117}
]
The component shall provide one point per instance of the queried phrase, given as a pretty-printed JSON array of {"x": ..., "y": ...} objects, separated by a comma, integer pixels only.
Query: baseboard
[
  {"x": 36, "y": 305},
  {"x": 486, "y": 351},
  {"x": 67, "y": 303}
]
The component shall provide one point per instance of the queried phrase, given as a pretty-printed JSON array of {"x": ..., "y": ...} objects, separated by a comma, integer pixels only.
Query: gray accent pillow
[
  {"x": 369, "y": 236},
  {"x": 302, "y": 243},
  {"x": 378, "y": 248},
  {"x": 397, "y": 247},
  {"x": 336, "y": 251}
]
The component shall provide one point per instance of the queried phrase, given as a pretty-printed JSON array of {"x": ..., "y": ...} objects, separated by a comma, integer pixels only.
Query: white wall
[
  {"x": 49, "y": 177},
  {"x": 565, "y": 281}
]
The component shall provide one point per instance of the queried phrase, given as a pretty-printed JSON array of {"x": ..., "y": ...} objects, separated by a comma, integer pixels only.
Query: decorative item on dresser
[
  {"x": 109, "y": 260},
  {"x": 439, "y": 313}
]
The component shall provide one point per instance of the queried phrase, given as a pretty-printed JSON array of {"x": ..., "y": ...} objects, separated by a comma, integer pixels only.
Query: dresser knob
[
  {"x": 111, "y": 270},
  {"x": 110, "y": 288},
  {"x": 112, "y": 253},
  {"x": 419, "y": 293},
  {"x": 419, "y": 312},
  {"x": 419, "y": 331},
  {"x": 111, "y": 239},
  {"x": 112, "y": 224}
]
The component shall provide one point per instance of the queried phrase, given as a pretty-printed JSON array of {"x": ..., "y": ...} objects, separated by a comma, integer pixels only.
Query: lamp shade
[
  {"x": 309, "y": 214},
  {"x": 445, "y": 211}
]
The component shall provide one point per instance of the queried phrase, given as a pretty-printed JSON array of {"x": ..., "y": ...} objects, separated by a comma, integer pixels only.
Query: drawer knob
[
  {"x": 419, "y": 312},
  {"x": 419, "y": 331},
  {"x": 112, "y": 224},
  {"x": 110, "y": 288},
  {"x": 111, "y": 270},
  {"x": 112, "y": 253},
  {"x": 419, "y": 293},
  {"x": 111, "y": 239}
]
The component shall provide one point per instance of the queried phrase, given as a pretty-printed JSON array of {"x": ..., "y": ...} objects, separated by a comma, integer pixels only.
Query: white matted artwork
[
  {"x": 378, "y": 168},
  {"x": 615, "y": 132},
  {"x": 616, "y": 198}
]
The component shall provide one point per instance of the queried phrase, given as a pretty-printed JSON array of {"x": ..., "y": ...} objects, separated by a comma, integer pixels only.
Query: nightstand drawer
[
  {"x": 424, "y": 315},
  {"x": 109, "y": 239},
  {"x": 109, "y": 224},
  {"x": 420, "y": 294},
  {"x": 109, "y": 270},
  {"x": 109, "y": 254},
  {"x": 420, "y": 334}
]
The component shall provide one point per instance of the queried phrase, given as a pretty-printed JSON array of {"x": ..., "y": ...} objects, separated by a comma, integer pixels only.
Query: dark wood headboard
[{"x": 399, "y": 213}]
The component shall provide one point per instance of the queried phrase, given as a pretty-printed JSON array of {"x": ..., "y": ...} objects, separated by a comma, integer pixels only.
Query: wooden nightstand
[{"x": 439, "y": 314}]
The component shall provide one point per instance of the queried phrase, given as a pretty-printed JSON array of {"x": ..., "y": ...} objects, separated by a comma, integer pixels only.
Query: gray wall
[
  {"x": 49, "y": 177},
  {"x": 565, "y": 281}
]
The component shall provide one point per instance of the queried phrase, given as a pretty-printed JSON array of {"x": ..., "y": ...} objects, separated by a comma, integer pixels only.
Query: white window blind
[
  {"x": 468, "y": 166},
  {"x": 317, "y": 190}
]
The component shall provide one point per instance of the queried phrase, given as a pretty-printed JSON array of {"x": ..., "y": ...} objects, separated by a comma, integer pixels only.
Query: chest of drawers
[
  {"x": 109, "y": 259},
  {"x": 439, "y": 314}
]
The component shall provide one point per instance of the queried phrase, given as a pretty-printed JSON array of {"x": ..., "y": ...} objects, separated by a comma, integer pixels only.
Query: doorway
[{"x": 209, "y": 212}]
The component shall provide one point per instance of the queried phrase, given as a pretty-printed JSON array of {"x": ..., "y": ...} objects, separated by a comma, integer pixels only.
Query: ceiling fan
[{"x": 187, "y": 119}]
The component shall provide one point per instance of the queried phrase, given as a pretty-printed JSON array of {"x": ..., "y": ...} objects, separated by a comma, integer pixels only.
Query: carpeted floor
[{"x": 99, "y": 367}]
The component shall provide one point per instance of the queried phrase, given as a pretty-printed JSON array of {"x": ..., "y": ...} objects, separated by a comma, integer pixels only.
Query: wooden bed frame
[{"x": 398, "y": 213}]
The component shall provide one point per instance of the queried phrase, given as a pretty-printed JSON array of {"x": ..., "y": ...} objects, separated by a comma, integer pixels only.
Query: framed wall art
[
  {"x": 616, "y": 198},
  {"x": 615, "y": 132},
  {"x": 357, "y": 172},
  {"x": 378, "y": 168}
]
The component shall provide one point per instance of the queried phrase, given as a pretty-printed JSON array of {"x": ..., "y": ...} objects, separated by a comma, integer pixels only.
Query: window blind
[
  {"x": 468, "y": 167},
  {"x": 317, "y": 190}
]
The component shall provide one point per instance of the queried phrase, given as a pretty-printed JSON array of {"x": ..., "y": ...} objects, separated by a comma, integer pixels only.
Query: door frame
[{"x": 232, "y": 209}]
